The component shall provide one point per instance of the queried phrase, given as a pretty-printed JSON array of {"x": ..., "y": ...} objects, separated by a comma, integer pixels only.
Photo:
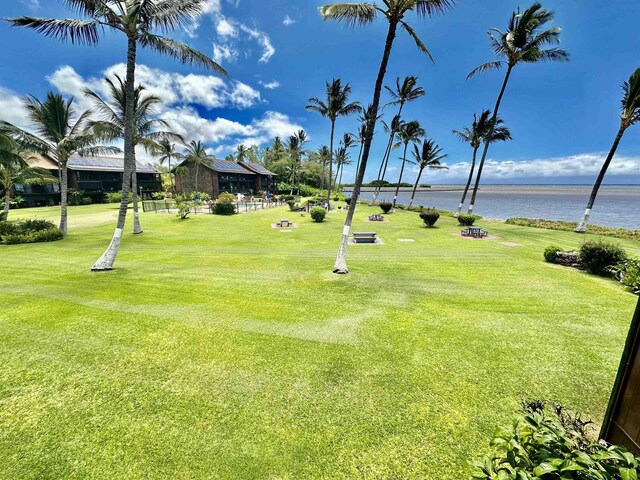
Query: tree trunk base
[
  {"x": 470, "y": 211},
  {"x": 137, "y": 229},
  {"x": 457, "y": 213},
  {"x": 340, "y": 267},
  {"x": 106, "y": 261},
  {"x": 582, "y": 226}
]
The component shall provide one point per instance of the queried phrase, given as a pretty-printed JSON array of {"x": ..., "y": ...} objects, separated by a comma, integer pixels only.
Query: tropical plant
[
  {"x": 628, "y": 273},
  {"x": 336, "y": 105},
  {"x": 14, "y": 170},
  {"x": 384, "y": 206},
  {"x": 29, "y": 231},
  {"x": 474, "y": 136},
  {"x": 342, "y": 157},
  {"x": 429, "y": 217},
  {"x": 629, "y": 116},
  {"x": 466, "y": 220},
  {"x": 426, "y": 158},
  {"x": 394, "y": 12},
  {"x": 59, "y": 133},
  {"x": 408, "y": 133},
  {"x": 196, "y": 153},
  {"x": 295, "y": 148},
  {"x": 405, "y": 92},
  {"x": 523, "y": 42},
  {"x": 165, "y": 150},
  {"x": 551, "y": 253},
  {"x": 242, "y": 153},
  {"x": 598, "y": 256},
  {"x": 138, "y": 20},
  {"x": 317, "y": 214},
  {"x": 146, "y": 130}
]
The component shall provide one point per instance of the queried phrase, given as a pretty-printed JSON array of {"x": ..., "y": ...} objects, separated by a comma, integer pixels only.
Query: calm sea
[{"x": 616, "y": 206}]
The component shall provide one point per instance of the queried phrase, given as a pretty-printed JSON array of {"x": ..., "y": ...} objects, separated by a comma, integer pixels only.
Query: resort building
[
  {"x": 95, "y": 176},
  {"x": 217, "y": 176}
]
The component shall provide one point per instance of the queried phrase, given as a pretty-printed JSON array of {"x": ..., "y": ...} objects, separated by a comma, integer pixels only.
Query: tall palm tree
[
  {"x": 138, "y": 20},
  {"x": 523, "y": 42},
  {"x": 362, "y": 131},
  {"x": 342, "y": 157},
  {"x": 474, "y": 136},
  {"x": 14, "y": 170},
  {"x": 324, "y": 154},
  {"x": 196, "y": 153},
  {"x": 146, "y": 131},
  {"x": 394, "y": 12},
  {"x": 409, "y": 132},
  {"x": 405, "y": 92},
  {"x": 295, "y": 147},
  {"x": 336, "y": 105},
  {"x": 427, "y": 158},
  {"x": 242, "y": 153},
  {"x": 59, "y": 133},
  {"x": 629, "y": 116},
  {"x": 165, "y": 150}
]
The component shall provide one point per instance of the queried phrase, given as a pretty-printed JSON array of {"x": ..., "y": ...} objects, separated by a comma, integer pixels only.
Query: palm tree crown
[
  {"x": 404, "y": 92},
  {"x": 630, "y": 114},
  {"x": 480, "y": 129},
  {"x": 429, "y": 156},
  {"x": 337, "y": 103}
]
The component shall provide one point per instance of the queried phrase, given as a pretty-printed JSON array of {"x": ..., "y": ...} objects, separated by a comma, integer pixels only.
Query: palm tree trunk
[
  {"x": 195, "y": 187},
  {"x": 341, "y": 172},
  {"x": 359, "y": 157},
  {"x": 322, "y": 176},
  {"x": 137, "y": 229},
  {"x": 466, "y": 188},
  {"x": 488, "y": 140},
  {"x": 105, "y": 262},
  {"x": 582, "y": 227},
  {"x": 385, "y": 160},
  {"x": 333, "y": 129},
  {"x": 7, "y": 200},
  {"x": 404, "y": 161},
  {"x": 64, "y": 194},
  {"x": 415, "y": 187},
  {"x": 340, "y": 266},
  {"x": 173, "y": 187}
]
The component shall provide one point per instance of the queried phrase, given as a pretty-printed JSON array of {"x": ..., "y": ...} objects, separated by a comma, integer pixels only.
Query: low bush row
[
  {"x": 29, "y": 231},
  {"x": 571, "y": 226}
]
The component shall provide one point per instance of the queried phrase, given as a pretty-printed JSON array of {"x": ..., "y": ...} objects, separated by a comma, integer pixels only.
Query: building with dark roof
[
  {"x": 216, "y": 176},
  {"x": 95, "y": 176}
]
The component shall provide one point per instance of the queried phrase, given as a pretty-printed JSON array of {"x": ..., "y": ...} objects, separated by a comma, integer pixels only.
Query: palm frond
[
  {"x": 82, "y": 32},
  {"x": 167, "y": 15},
  {"x": 497, "y": 65},
  {"x": 419, "y": 43},
  {"x": 432, "y": 7},
  {"x": 351, "y": 14}
]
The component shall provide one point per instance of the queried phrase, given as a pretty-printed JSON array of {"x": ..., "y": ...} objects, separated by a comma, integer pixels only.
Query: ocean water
[{"x": 616, "y": 206}]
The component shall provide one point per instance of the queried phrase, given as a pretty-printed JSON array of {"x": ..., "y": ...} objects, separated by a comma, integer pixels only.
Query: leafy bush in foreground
[
  {"x": 224, "y": 209},
  {"x": 571, "y": 226},
  {"x": 548, "y": 442},
  {"x": 598, "y": 255},
  {"x": 77, "y": 197},
  {"x": 551, "y": 252},
  {"x": 466, "y": 220},
  {"x": 386, "y": 206},
  {"x": 628, "y": 273},
  {"x": 29, "y": 231},
  {"x": 429, "y": 217},
  {"x": 318, "y": 214}
]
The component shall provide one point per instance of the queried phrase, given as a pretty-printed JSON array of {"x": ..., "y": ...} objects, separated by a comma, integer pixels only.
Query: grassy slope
[{"x": 223, "y": 348}]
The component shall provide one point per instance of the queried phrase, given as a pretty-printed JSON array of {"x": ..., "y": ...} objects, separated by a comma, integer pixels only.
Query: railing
[{"x": 169, "y": 206}]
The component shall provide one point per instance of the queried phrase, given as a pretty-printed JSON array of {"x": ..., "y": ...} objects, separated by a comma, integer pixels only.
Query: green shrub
[
  {"x": 466, "y": 220},
  {"x": 158, "y": 195},
  {"x": 224, "y": 209},
  {"x": 571, "y": 226},
  {"x": 386, "y": 206},
  {"x": 115, "y": 197},
  {"x": 29, "y": 231},
  {"x": 225, "y": 197},
  {"x": 77, "y": 197},
  {"x": 347, "y": 200},
  {"x": 291, "y": 204},
  {"x": 548, "y": 442},
  {"x": 429, "y": 217},
  {"x": 185, "y": 203},
  {"x": 598, "y": 255},
  {"x": 287, "y": 198},
  {"x": 551, "y": 252},
  {"x": 401, "y": 206},
  {"x": 7, "y": 228},
  {"x": 628, "y": 273},
  {"x": 318, "y": 214}
]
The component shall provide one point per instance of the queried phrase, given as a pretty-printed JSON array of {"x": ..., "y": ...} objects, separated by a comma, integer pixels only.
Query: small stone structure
[{"x": 569, "y": 259}]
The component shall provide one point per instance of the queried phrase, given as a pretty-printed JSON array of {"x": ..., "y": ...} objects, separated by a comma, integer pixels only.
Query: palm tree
[
  {"x": 165, "y": 150},
  {"x": 426, "y": 158},
  {"x": 362, "y": 130},
  {"x": 14, "y": 170},
  {"x": 145, "y": 129},
  {"x": 336, "y": 105},
  {"x": 523, "y": 42},
  {"x": 196, "y": 153},
  {"x": 59, "y": 133},
  {"x": 407, "y": 91},
  {"x": 342, "y": 157},
  {"x": 394, "y": 12},
  {"x": 295, "y": 149},
  {"x": 242, "y": 153},
  {"x": 409, "y": 132},
  {"x": 137, "y": 20},
  {"x": 474, "y": 136},
  {"x": 629, "y": 116},
  {"x": 324, "y": 154}
]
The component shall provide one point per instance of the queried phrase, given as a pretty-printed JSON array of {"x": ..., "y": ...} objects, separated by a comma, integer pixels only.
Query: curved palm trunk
[
  {"x": 7, "y": 200},
  {"x": 105, "y": 262},
  {"x": 333, "y": 130},
  {"x": 582, "y": 227},
  {"x": 415, "y": 187},
  {"x": 359, "y": 158},
  {"x": 324, "y": 165},
  {"x": 137, "y": 229},
  {"x": 488, "y": 141},
  {"x": 466, "y": 188},
  {"x": 385, "y": 161},
  {"x": 171, "y": 181},
  {"x": 404, "y": 161},
  {"x": 64, "y": 195},
  {"x": 340, "y": 266},
  {"x": 340, "y": 180}
]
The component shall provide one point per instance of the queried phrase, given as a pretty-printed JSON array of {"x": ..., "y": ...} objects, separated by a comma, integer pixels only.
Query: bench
[{"x": 364, "y": 237}]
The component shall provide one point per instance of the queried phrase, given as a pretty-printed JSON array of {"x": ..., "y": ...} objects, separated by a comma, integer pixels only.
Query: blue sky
[{"x": 279, "y": 53}]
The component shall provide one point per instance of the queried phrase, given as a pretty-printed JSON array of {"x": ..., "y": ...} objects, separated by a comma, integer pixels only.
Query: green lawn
[{"x": 223, "y": 348}]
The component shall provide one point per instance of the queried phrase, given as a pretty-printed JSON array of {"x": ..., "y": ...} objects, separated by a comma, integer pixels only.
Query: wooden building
[{"x": 216, "y": 176}]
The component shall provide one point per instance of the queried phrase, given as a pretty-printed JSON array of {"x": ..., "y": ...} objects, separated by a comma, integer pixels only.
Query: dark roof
[
  {"x": 224, "y": 166},
  {"x": 256, "y": 167},
  {"x": 104, "y": 164}
]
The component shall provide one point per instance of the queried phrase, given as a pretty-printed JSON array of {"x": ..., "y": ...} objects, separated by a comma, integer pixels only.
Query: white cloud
[
  {"x": 263, "y": 39},
  {"x": 12, "y": 108},
  {"x": 270, "y": 85},
  {"x": 223, "y": 53},
  {"x": 288, "y": 21},
  {"x": 32, "y": 4},
  {"x": 224, "y": 28}
]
